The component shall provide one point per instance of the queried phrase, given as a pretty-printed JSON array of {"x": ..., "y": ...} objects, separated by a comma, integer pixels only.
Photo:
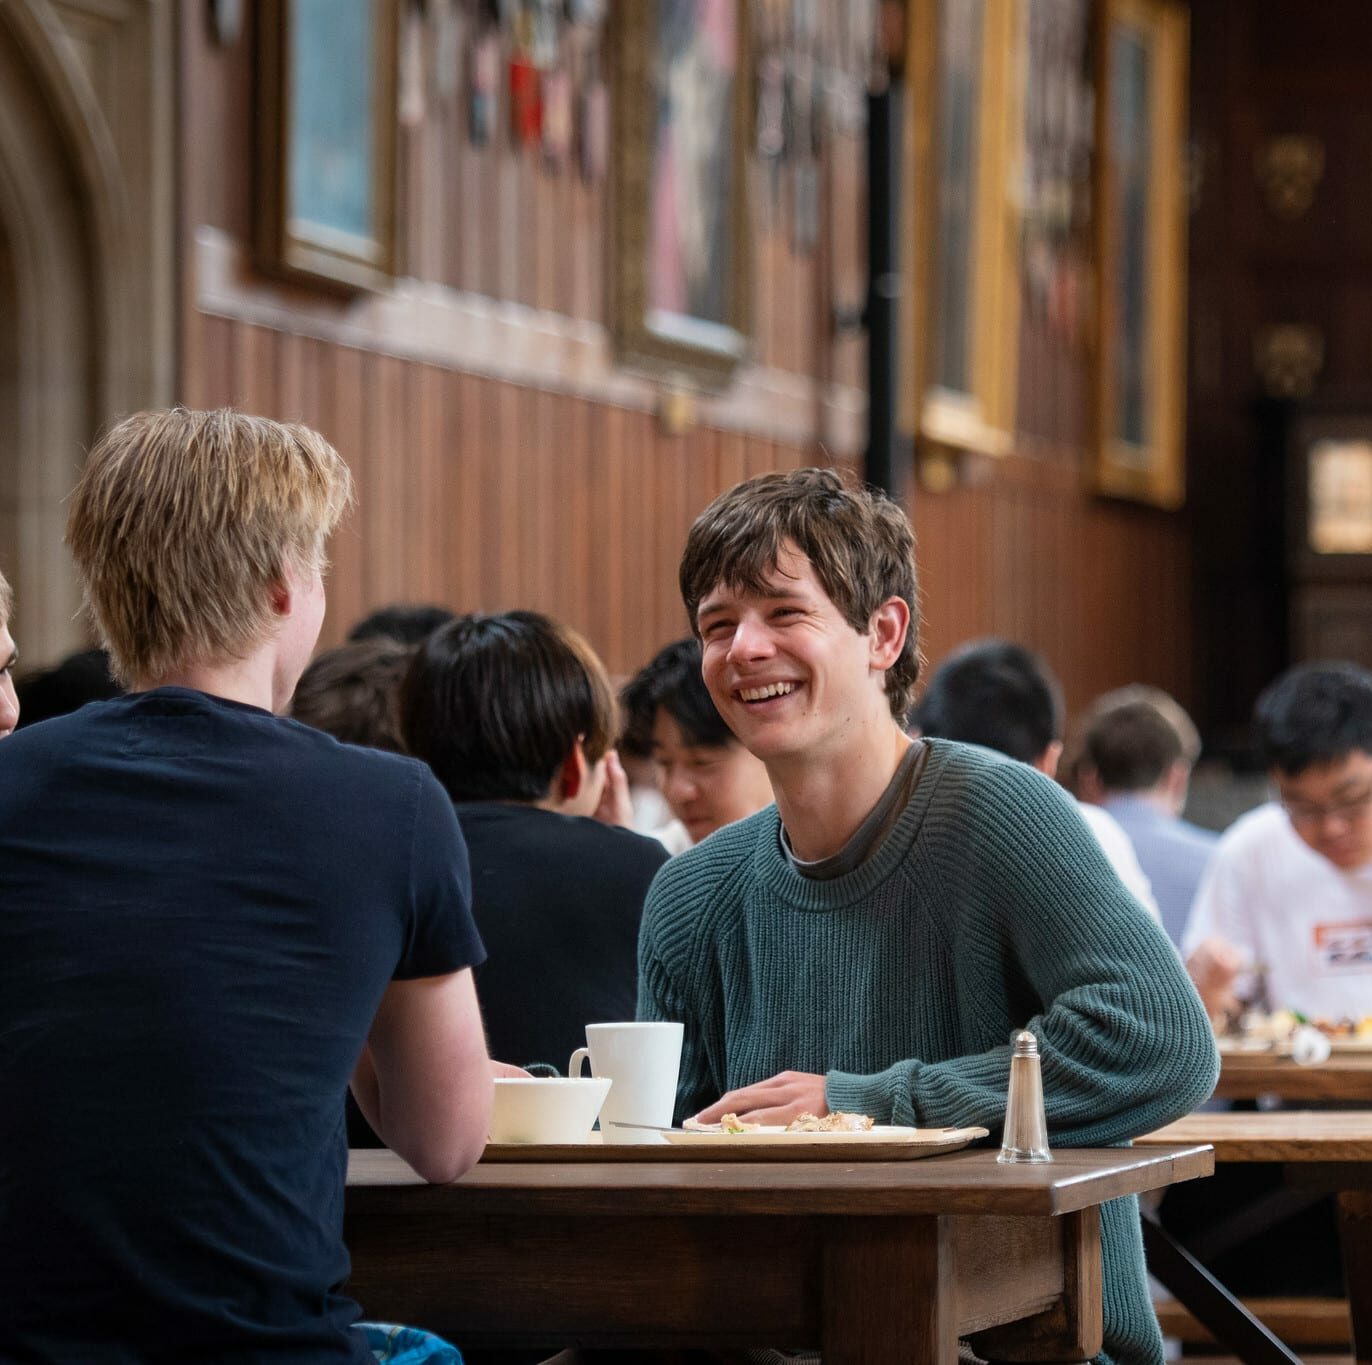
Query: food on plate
[
  {"x": 731, "y": 1123},
  {"x": 830, "y": 1123}
]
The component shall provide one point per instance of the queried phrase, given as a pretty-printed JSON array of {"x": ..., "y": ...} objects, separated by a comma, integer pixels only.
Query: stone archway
[{"x": 85, "y": 268}]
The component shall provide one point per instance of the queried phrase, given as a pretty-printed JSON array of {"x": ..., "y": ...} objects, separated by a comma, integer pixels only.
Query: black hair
[
  {"x": 66, "y": 687},
  {"x": 671, "y": 682},
  {"x": 1314, "y": 713},
  {"x": 494, "y": 704},
  {"x": 407, "y": 622},
  {"x": 997, "y": 694}
]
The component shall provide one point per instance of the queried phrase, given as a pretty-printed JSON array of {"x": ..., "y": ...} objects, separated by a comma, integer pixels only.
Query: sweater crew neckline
[{"x": 800, "y": 892}]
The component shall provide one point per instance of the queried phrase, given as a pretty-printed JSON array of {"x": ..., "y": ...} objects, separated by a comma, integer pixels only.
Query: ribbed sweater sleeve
[{"x": 1040, "y": 917}]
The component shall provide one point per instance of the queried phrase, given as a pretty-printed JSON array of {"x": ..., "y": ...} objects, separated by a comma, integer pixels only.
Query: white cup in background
[{"x": 643, "y": 1061}]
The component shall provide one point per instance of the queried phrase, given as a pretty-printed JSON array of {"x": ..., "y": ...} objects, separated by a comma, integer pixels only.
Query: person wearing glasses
[{"x": 1283, "y": 918}]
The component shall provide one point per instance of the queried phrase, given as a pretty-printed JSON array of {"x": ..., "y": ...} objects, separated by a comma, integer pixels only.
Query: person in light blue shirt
[{"x": 1138, "y": 749}]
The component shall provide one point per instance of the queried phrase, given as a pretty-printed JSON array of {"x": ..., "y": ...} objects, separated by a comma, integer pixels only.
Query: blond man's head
[{"x": 183, "y": 523}]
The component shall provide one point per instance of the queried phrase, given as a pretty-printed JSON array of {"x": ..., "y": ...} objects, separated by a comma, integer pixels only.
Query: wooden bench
[{"x": 1315, "y": 1324}]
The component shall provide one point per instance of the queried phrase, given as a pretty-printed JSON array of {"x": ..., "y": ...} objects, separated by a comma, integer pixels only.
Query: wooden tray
[{"x": 881, "y": 1144}]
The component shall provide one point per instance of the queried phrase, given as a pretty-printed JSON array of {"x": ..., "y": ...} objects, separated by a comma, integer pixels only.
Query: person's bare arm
[{"x": 424, "y": 1080}]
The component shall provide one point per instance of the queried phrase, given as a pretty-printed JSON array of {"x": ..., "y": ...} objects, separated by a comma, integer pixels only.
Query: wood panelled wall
[
  {"x": 1278, "y": 69},
  {"x": 486, "y": 494}
]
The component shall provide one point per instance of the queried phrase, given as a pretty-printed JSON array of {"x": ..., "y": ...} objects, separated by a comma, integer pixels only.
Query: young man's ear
[
  {"x": 889, "y": 627},
  {"x": 571, "y": 776}
]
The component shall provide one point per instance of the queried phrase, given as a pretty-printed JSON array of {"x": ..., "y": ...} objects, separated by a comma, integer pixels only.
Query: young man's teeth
[{"x": 762, "y": 693}]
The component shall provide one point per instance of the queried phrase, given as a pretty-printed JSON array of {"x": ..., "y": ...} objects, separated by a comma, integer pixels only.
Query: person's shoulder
[
  {"x": 1259, "y": 829},
  {"x": 516, "y": 825},
  {"x": 718, "y": 867},
  {"x": 986, "y": 781},
  {"x": 355, "y": 761}
]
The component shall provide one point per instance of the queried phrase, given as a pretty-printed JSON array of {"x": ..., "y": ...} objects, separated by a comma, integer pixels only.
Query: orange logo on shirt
[{"x": 1339, "y": 947}]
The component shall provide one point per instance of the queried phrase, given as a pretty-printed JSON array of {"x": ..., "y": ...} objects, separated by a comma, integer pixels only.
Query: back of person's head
[
  {"x": 352, "y": 692},
  {"x": 1134, "y": 737},
  {"x": 66, "y": 687},
  {"x": 495, "y": 704},
  {"x": 997, "y": 694},
  {"x": 1314, "y": 714},
  {"x": 6, "y": 601},
  {"x": 671, "y": 682},
  {"x": 183, "y": 522},
  {"x": 409, "y": 622},
  {"x": 857, "y": 539}
]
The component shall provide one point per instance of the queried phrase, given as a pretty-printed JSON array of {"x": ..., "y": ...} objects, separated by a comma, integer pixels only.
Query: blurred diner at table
[
  {"x": 1283, "y": 918},
  {"x": 515, "y": 715}
]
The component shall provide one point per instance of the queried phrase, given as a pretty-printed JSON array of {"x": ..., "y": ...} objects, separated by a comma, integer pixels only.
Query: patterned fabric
[{"x": 394, "y": 1345}]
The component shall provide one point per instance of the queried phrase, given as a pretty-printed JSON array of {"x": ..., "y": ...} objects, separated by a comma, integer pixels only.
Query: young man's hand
[
  {"x": 616, "y": 807},
  {"x": 1214, "y": 967},
  {"x": 777, "y": 1101}
]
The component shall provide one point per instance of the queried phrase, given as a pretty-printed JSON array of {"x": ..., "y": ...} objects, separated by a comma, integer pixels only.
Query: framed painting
[
  {"x": 1141, "y": 251},
  {"x": 964, "y": 131},
  {"x": 680, "y": 274},
  {"x": 327, "y": 140}
]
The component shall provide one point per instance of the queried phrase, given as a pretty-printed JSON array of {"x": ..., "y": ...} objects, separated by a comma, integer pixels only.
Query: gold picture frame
[
  {"x": 327, "y": 133},
  {"x": 1141, "y": 251},
  {"x": 964, "y": 133},
  {"x": 681, "y": 238}
]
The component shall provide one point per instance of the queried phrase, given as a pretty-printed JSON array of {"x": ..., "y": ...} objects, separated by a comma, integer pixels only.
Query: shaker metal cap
[{"x": 1026, "y": 1045}]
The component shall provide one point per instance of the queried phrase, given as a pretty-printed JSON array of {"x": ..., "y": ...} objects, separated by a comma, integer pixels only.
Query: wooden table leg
[
  {"x": 1355, "y": 1233},
  {"x": 887, "y": 1288}
]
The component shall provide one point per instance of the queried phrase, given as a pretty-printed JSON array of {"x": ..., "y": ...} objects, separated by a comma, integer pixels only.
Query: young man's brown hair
[
  {"x": 494, "y": 705},
  {"x": 1134, "y": 736},
  {"x": 181, "y": 523},
  {"x": 352, "y": 692},
  {"x": 858, "y": 540}
]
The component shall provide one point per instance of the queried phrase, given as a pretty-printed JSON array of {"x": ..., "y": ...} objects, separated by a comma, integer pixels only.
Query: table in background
[
  {"x": 673, "y": 1254},
  {"x": 1346, "y": 1076},
  {"x": 1331, "y": 1151}
]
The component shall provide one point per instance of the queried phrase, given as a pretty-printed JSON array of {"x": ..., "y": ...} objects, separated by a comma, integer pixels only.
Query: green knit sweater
[{"x": 988, "y": 908}]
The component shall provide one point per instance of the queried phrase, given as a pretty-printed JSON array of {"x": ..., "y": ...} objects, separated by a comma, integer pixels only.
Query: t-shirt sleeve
[{"x": 441, "y": 935}]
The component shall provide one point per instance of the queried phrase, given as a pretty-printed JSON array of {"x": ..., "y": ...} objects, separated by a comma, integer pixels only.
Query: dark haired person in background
[
  {"x": 1284, "y": 916},
  {"x": 516, "y": 716},
  {"x": 66, "y": 687},
  {"x": 408, "y": 622},
  {"x": 1137, "y": 750},
  {"x": 1004, "y": 697},
  {"x": 707, "y": 777},
  {"x": 350, "y": 692}
]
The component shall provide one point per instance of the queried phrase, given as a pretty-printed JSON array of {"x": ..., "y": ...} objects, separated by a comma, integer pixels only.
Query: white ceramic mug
[{"x": 643, "y": 1060}]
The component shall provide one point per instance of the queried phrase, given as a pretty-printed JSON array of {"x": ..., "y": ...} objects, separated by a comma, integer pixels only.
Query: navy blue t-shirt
[{"x": 201, "y": 906}]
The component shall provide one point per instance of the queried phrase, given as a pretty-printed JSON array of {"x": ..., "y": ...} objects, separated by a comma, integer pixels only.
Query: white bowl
[{"x": 546, "y": 1109}]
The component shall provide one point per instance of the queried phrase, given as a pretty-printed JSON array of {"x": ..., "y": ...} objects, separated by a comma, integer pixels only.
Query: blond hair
[
  {"x": 6, "y": 600},
  {"x": 183, "y": 521}
]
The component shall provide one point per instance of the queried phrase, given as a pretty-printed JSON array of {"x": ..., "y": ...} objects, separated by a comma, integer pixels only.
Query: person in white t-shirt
[
  {"x": 1003, "y": 696},
  {"x": 1283, "y": 918}
]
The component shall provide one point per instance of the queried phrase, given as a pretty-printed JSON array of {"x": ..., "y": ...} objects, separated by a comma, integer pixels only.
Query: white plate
[{"x": 882, "y": 1134}]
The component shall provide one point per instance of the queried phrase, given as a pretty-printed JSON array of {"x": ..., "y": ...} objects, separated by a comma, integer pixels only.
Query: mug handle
[{"x": 582, "y": 1054}]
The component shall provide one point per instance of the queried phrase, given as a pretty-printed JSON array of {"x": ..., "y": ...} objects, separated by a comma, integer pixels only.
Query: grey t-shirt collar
[{"x": 872, "y": 832}]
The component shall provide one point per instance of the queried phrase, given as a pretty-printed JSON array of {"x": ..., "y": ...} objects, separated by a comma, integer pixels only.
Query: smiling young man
[
  {"x": 869, "y": 943},
  {"x": 1289, "y": 889}
]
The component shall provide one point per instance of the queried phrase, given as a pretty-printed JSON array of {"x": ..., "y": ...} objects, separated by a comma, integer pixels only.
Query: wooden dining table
[
  {"x": 662, "y": 1253},
  {"x": 1328, "y": 1150},
  {"x": 1346, "y": 1077}
]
